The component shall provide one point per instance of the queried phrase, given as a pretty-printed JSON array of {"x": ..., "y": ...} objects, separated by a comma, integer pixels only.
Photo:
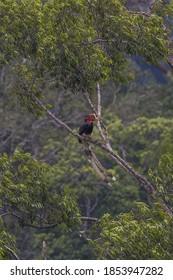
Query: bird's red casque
[{"x": 87, "y": 127}]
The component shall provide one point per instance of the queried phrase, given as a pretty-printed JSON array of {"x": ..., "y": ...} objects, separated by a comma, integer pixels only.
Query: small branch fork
[
  {"x": 105, "y": 147},
  {"x": 104, "y": 135},
  {"x": 45, "y": 226}
]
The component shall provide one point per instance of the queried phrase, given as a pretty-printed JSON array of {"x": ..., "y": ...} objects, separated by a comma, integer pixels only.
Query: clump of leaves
[
  {"x": 25, "y": 193},
  {"x": 162, "y": 178},
  {"x": 79, "y": 42},
  {"x": 6, "y": 240},
  {"x": 144, "y": 233}
]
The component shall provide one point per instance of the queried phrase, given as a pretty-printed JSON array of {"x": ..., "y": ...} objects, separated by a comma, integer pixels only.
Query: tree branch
[
  {"x": 10, "y": 214},
  {"x": 100, "y": 123},
  {"x": 45, "y": 226},
  {"x": 149, "y": 188},
  {"x": 105, "y": 134},
  {"x": 90, "y": 102},
  {"x": 12, "y": 252},
  {"x": 99, "y": 108},
  {"x": 96, "y": 112},
  {"x": 142, "y": 181},
  {"x": 90, "y": 219},
  {"x": 44, "y": 250}
]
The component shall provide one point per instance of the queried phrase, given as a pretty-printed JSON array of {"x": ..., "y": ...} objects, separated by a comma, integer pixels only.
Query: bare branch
[
  {"x": 141, "y": 13},
  {"x": 149, "y": 188},
  {"x": 90, "y": 219},
  {"x": 10, "y": 214},
  {"x": 142, "y": 181},
  {"x": 100, "y": 124},
  {"x": 40, "y": 227},
  {"x": 47, "y": 226},
  {"x": 96, "y": 112},
  {"x": 94, "y": 205},
  {"x": 12, "y": 252},
  {"x": 44, "y": 250},
  {"x": 90, "y": 102},
  {"x": 98, "y": 101}
]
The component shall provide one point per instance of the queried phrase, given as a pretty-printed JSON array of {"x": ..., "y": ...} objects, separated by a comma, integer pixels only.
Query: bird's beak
[{"x": 97, "y": 119}]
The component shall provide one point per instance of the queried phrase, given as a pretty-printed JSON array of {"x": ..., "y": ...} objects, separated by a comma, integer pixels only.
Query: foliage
[
  {"x": 47, "y": 144},
  {"x": 25, "y": 195},
  {"x": 63, "y": 245},
  {"x": 44, "y": 141},
  {"x": 91, "y": 192},
  {"x": 144, "y": 233},
  {"x": 6, "y": 239},
  {"x": 163, "y": 177},
  {"x": 79, "y": 42},
  {"x": 142, "y": 97},
  {"x": 143, "y": 136},
  {"x": 51, "y": 49}
]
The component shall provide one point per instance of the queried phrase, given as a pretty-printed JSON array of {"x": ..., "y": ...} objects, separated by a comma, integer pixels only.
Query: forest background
[{"x": 58, "y": 57}]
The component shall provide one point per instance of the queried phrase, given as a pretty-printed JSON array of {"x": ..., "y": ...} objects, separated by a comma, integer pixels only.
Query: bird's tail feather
[{"x": 97, "y": 166}]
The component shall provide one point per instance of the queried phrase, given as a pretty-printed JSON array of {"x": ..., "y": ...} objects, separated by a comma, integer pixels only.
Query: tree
[
  {"x": 7, "y": 243},
  {"x": 71, "y": 42},
  {"x": 25, "y": 198},
  {"x": 144, "y": 233},
  {"x": 68, "y": 44}
]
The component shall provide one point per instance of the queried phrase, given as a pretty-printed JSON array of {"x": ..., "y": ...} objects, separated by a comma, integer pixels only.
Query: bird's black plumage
[{"x": 86, "y": 128}]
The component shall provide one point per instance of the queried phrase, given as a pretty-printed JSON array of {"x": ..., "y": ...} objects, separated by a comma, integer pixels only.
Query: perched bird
[{"x": 87, "y": 127}]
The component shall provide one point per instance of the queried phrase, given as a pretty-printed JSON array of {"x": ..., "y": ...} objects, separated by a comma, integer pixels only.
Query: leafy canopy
[
  {"x": 145, "y": 232},
  {"x": 25, "y": 194},
  {"x": 79, "y": 42}
]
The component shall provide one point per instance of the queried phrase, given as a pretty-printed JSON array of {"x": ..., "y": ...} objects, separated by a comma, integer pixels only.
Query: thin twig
[
  {"x": 96, "y": 112},
  {"x": 40, "y": 227},
  {"x": 44, "y": 250},
  {"x": 10, "y": 214},
  {"x": 105, "y": 134},
  {"x": 91, "y": 219},
  {"x": 12, "y": 252},
  {"x": 98, "y": 100},
  {"x": 141, "y": 13},
  {"x": 90, "y": 102},
  {"x": 45, "y": 226},
  {"x": 94, "y": 205},
  {"x": 100, "y": 122}
]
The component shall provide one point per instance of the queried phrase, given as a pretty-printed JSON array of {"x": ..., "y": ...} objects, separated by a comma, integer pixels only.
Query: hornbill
[{"x": 87, "y": 127}]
